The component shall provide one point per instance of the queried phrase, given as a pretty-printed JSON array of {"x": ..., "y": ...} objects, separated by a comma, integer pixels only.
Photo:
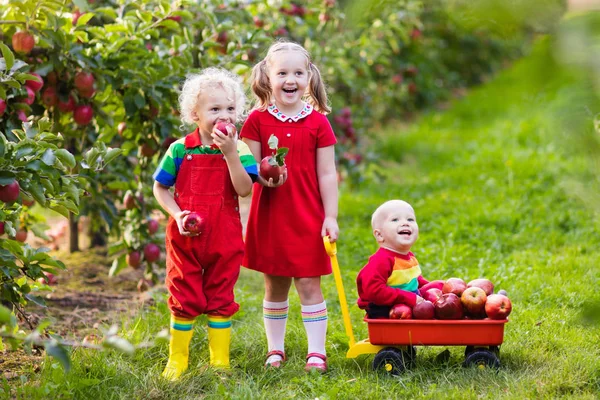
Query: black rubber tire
[
  {"x": 482, "y": 358},
  {"x": 393, "y": 361}
]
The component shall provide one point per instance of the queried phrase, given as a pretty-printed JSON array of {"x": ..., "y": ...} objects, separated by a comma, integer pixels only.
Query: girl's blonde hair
[
  {"x": 261, "y": 86},
  {"x": 208, "y": 79}
]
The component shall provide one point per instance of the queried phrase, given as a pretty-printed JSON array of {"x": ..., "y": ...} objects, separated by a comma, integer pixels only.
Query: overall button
[
  {"x": 289, "y": 120},
  {"x": 234, "y": 197},
  {"x": 237, "y": 209},
  {"x": 189, "y": 157},
  {"x": 289, "y": 135}
]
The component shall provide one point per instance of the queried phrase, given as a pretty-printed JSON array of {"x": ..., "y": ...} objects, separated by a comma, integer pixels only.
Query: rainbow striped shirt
[{"x": 405, "y": 274}]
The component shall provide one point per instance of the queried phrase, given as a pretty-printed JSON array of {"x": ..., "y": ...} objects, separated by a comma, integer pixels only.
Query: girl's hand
[
  {"x": 226, "y": 143},
  {"x": 271, "y": 183},
  {"x": 179, "y": 219},
  {"x": 330, "y": 228}
]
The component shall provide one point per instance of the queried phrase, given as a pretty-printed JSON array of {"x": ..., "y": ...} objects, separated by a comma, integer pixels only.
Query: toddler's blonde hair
[
  {"x": 209, "y": 78},
  {"x": 261, "y": 86}
]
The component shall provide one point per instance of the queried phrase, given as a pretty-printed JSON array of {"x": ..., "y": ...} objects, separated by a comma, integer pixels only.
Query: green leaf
[
  {"x": 5, "y": 315},
  {"x": 118, "y": 265},
  {"x": 39, "y": 231},
  {"x": 37, "y": 192},
  {"x": 56, "y": 350},
  {"x": 35, "y": 299},
  {"x": 48, "y": 157},
  {"x": 69, "y": 205},
  {"x": 111, "y": 155},
  {"x": 9, "y": 57},
  {"x": 84, "y": 19},
  {"x": 60, "y": 209},
  {"x": 7, "y": 177},
  {"x": 65, "y": 157}
]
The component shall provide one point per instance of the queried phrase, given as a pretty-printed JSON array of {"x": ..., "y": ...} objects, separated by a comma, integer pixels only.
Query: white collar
[{"x": 274, "y": 111}]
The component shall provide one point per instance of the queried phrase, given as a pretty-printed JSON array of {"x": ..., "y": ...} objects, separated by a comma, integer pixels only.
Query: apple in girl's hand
[
  {"x": 400, "y": 311},
  {"x": 424, "y": 310},
  {"x": 448, "y": 307},
  {"x": 274, "y": 165},
  {"x": 473, "y": 300},
  {"x": 485, "y": 284},
  {"x": 226, "y": 127},
  {"x": 498, "y": 306},
  {"x": 193, "y": 223},
  {"x": 432, "y": 295},
  {"x": 454, "y": 285}
]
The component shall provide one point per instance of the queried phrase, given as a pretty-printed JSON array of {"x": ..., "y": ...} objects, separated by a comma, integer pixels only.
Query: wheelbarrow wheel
[
  {"x": 482, "y": 358},
  {"x": 392, "y": 360}
]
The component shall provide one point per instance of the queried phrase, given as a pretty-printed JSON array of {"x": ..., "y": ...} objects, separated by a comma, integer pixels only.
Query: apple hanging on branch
[{"x": 274, "y": 165}]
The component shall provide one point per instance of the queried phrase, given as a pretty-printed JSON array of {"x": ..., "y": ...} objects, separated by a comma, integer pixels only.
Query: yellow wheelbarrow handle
[{"x": 331, "y": 250}]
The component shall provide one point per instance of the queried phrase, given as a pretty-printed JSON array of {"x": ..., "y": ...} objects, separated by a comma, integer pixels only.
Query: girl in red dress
[{"x": 289, "y": 217}]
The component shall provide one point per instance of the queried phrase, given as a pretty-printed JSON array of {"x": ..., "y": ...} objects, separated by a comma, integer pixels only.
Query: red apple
[
  {"x": 1, "y": 228},
  {"x": 36, "y": 84},
  {"x": 448, "y": 307},
  {"x": 412, "y": 88},
  {"x": 432, "y": 295},
  {"x": 87, "y": 93},
  {"x": 498, "y": 306},
  {"x": 153, "y": 226},
  {"x": 134, "y": 259},
  {"x": 21, "y": 115},
  {"x": 2, "y": 107},
  {"x": 424, "y": 310},
  {"x": 83, "y": 114},
  {"x": 76, "y": 15},
  {"x": 30, "y": 96},
  {"x": 176, "y": 18},
  {"x": 129, "y": 201},
  {"x": 400, "y": 311},
  {"x": 23, "y": 42},
  {"x": 28, "y": 202},
  {"x": 397, "y": 79},
  {"x": 167, "y": 142},
  {"x": 151, "y": 252},
  {"x": 226, "y": 127},
  {"x": 49, "y": 279},
  {"x": 259, "y": 23},
  {"x": 52, "y": 78},
  {"x": 454, "y": 285},
  {"x": 10, "y": 193},
  {"x": 473, "y": 300},
  {"x": 269, "y": 168},
  {"x": 21, "y": 236},
  {"x": 68, "y": 106},
  {"x": 485, "y": 284},
  {"x": 193, "y": 223},
  {"x": 84, "y": 80},
  {"x": 121, "y": 128},
  {"x": 49, "y": 96}
]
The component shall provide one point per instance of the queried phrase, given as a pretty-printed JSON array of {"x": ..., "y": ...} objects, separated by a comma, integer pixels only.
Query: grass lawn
[{"x": 498, "y": 182}]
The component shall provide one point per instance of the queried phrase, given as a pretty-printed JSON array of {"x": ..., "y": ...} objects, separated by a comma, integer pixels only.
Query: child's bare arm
[
  {"x": 329, "y": 190},
  {"x": 242, "y": 182}
]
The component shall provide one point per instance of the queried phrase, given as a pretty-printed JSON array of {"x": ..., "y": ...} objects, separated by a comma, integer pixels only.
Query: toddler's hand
[
  {"x": 179, "y": 219},
  {"x": 226, "y": 143},
  {"x": 330, "y": 228}
]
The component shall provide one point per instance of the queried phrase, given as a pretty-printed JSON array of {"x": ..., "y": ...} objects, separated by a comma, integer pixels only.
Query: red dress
[{"x": 283, "y": 234}]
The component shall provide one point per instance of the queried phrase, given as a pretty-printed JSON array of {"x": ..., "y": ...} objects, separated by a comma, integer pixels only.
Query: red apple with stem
[
  {"x": 84, "y": 80},
  {"x": 485, "y": 284},
  {"x": 498, "y": 306},
  {"x": 151, "y": 252},
  {"x": 21, "y": 235},
  {"x": 30, "y": 96},
  {"x": 274, "y": 165},
  {"x": 473, "y": 300},
  {"x": 134, "y": 259},
  {"x": 448, "y": 307},
  {"x": 400, "y": 311},
  {"x": 83, "y": 114},
  {"x": 454, "y": 285},
  {"x": 432, "y": 295},
  {"x": 193, "y": 223},
  {"x": 35, "y": 84},
  {"x": 23, "y": 42},
  {"x": 153, "y": 226}
]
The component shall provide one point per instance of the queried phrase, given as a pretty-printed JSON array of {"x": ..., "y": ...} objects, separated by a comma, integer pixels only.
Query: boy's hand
[
  {"x": 330, "y": 228},
  {"x": 179, "y": 219},
  {"x": 227, "y": 143}
]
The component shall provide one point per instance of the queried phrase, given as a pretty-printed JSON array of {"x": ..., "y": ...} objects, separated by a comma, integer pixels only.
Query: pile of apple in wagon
[{"x": 458, "y": 300}]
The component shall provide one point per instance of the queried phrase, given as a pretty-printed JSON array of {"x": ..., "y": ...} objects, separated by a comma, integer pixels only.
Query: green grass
[{"x": 493, "y": 183}]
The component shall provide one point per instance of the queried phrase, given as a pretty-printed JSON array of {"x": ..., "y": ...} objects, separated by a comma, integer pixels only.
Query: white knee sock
[
  {"x": 315, "y": 323},
  {"x": 275, "y": 318}
]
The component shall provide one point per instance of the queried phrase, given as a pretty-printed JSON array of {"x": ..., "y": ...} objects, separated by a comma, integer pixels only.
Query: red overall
[{"x": 202, "y": 270}]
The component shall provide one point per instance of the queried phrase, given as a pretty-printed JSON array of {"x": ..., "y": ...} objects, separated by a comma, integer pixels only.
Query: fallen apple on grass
[
  {"x": 273, "y": 166},
  {"x": 498, "y": 306},
  {"x": 400, "y": 311}
]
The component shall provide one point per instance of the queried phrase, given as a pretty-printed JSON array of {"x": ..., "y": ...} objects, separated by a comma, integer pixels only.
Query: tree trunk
[
  {"x": 97, "y": 238},
  {"x": 73, "y": 233}
]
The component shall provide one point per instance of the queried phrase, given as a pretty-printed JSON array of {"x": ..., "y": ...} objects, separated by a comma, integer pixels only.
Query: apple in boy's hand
[
  {"x": 473, "y": 300},
  {"x": 400, "y": 311},
  {"x": 224, "y": 126},
  {"x": 193, "y": 223},
  {"x": 485, "y": 284},
  {"x": 424, "y": 310},
  {"x": 432, "y": 295},
  {"x": 448, "y": 307},
  {"x": 498, "y": 306},
  {"x": 454, "y": 285}
]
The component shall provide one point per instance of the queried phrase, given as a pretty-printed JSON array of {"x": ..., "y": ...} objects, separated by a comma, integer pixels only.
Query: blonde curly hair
[{"x": 207, "y": 79}]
